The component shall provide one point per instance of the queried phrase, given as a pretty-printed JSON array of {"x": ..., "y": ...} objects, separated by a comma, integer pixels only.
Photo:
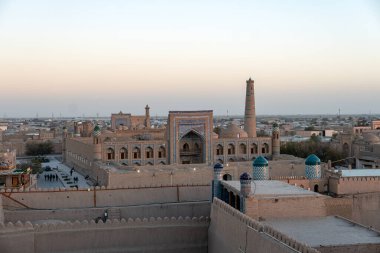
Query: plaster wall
[
  {"x": 190, "y": 209},
  {"x": 153, "y": 235},
  {"x": 366, "y": 209},
  {"x": 175, "y": 177},
  {"x": 231, "y": 231},
  {"x": 286, "y": 207},
  {"x": 184, "y": 174},
  {"x": 105, "y": 197},
  {"x": 368, "y": 248},
  {"x": 355, "y": 185},
  {"x": 340, "y": 206}
]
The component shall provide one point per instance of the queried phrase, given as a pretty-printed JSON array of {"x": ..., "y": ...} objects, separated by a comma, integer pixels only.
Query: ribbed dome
[
  {"x": 371, "y": 138},
  {"x": 96, "y": 131},
  {"x": 233, "y": 131},
  {"x": 260, "y": 161},
  {"x": 245, "y": 176},
  {"x": 312, "y": 160}
]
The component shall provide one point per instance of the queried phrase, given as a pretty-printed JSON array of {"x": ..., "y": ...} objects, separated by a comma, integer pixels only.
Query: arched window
[
  {"x": 149, "y": 163},
  {"x": 148, "y": 152},
  {"x": 242, "y": 149},
  {"x": 253, "y": 148},
  {"x": 227, "y": 177},
  {"x": 219, "y": 149},
  {"x": 186, "y": 147},
  {"x": 136, "y": 153},
  {"x": 162, "y": 163},
  {"x": 231, "y": 149},
  {"x": 123, "y": 153},
  {"x": 161, "y": 152},
  {"x": 196, "y": 146},
  {"x": 265, "y": 148},
  {"x": 110, "y": 154}
]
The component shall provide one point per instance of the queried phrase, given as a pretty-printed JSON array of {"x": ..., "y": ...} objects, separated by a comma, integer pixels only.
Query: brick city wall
[
  {"x": 233, "y": 232},
  {"x": 192, "y": 209},
  {"x": 354, "y": 185},
  {"x": 103, "y": 197},
  {"x": 137, "y": 235},
  {"x": 286, "y": 207}
]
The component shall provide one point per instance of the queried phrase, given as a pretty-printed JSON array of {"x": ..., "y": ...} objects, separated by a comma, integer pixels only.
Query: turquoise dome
[
  {"x": 312, "y": 160},
  {"x": 96, "y": 128},
  {"x": 260, "y": 161}
]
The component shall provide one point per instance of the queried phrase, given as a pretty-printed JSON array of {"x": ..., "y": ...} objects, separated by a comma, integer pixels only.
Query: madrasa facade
[{"x": 188, "y": 138}]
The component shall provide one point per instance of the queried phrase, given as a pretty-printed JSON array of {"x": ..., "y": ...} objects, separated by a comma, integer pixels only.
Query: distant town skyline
[{"x": 74, "y": 58}]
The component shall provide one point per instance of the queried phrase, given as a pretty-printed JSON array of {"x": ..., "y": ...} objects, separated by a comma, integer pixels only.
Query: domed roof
[
  {"x": 218, "y": 166},
  {"x": 312, "y": 160},
  {"x": 96, "y": 131},
  {"x": 233, "y": 131},
  {"x": 96, "y": 128},
  {"x": 260, "y": 161},
  {"x": 215, "y": 135},
  {"x": 371, "y": 138},
  {"x": 245, "y": 176}
]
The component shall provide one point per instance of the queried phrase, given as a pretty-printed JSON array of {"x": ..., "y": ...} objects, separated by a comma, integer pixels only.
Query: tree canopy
[{"x": 43, "y": 148}]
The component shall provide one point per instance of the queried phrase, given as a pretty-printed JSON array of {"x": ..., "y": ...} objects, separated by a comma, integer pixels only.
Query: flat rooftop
[
  {"x": 325, "y": 231},
  {"x": 360, "y": 173},
  {"x": 271, "y": 188}
]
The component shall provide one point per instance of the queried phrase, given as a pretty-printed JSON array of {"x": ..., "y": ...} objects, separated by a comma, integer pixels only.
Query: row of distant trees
[
  {"x": 35, "y": 149},
  {"x": 323, "y": 150}
]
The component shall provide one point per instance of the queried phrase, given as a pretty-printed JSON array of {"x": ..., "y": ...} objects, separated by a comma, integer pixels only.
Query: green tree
[
  {"x": 302, "y": 149},
  {"x": 43, "y": 148}
]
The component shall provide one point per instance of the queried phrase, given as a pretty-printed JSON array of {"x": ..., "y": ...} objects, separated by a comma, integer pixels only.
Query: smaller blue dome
[
  {"x": 260, "y": 161},
  {"x": 312, "y": 160},
  {"x": 96, "y": 128},
  {"x": 245, "y": 176},
  {"x": 218, "y": 166}
]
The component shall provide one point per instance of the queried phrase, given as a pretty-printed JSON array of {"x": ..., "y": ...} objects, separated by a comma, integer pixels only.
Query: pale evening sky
[{"x": 85, "y": 57}]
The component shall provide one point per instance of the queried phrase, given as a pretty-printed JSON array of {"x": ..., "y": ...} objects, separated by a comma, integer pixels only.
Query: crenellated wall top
[
  {"x": 262, "y": 228},
  {"x": 97, "y": 188},
  {"x": 85, "y": 224}
]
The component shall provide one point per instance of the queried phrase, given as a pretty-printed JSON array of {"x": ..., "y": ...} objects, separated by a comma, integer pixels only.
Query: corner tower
[{"x": 250, "y": 110}]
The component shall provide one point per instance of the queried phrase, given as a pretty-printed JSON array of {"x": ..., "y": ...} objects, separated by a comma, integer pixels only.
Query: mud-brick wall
[
  {"x": 231, "y": 231},
  {"x": 185, "y": 235}
]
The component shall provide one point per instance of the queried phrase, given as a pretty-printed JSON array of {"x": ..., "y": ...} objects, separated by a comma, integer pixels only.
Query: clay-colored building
[
  {"x": 188, "y": 138},
  {"x": 10, "y": 176}
]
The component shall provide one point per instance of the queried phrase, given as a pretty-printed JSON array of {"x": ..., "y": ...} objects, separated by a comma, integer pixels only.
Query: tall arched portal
[{"x": 192, "y": 148}]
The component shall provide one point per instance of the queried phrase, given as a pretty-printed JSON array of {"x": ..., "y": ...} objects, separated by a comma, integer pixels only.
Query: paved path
[{"x": 65, "y": 179}]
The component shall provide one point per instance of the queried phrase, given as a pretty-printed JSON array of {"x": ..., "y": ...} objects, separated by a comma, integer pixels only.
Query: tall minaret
[
  {"x": 250, "y": 111},
  {"x": 147, "y": 116}
]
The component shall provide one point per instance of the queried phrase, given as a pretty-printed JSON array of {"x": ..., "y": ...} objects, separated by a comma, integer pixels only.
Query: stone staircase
[{"x": 114, "y": 213}]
